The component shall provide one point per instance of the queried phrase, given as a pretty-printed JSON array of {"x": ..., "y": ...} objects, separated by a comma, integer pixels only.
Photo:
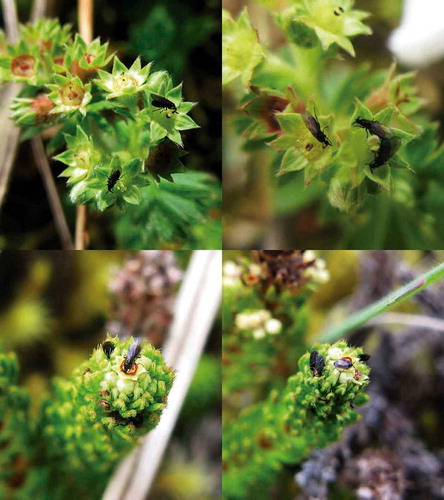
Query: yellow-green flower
[
  {"x": 69, "y": 94},
  {"x": 80, "y": 156},
  {"x": 22, "y": 63},
  {"x": 333, "y": 21},
  {"x": 241, "y": 50},
  {"x": 82, "y": 59},
  {"x": 123, "y": 81}
]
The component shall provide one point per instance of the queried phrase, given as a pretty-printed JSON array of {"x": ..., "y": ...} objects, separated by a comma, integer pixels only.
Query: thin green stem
[{"x": 396, "y": 297}]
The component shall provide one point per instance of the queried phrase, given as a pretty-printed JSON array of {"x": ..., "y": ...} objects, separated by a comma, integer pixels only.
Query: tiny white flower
[
  {"x": 308, "y": 256},
  {"x": 273, "y": 326},
  {"x": 419, "y": 40},
  {"x": 335, "y": 353},
  {"x": 231, "y": 269},
  {"x": 258, "y": 333},
  {"x": 242, "y": 321}
]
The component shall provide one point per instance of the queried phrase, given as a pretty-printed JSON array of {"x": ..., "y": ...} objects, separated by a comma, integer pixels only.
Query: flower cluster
[
  {"x": 115, "y": 396},
  {"x": 286, "y": 270},
  {"x": 310, "y": 412},
  {"x": 260, "y": 323},
  {"x": 284, "y": 104},
  {"x": 110, "y": 159},
  {"x": 146, "y": 283},
  {"x": 85, "y": 426}
]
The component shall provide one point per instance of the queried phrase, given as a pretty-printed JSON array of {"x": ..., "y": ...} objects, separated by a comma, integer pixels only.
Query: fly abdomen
[
  {"x": 387, "y": 149},
  {"x": 113, "y": 179},
  {"x": 314, "y": 127}
]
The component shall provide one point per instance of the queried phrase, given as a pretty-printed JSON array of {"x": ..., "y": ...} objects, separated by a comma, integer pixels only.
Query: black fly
[
  {"x": 387, "y": 149},
  {"x": 372, "y": 127},
  {"x": 133, "y": 353},
  {"x": 314, "y": 127},
  {"x": 317, "y": 363},
  {"x": 113, "y": 178},
  {"x": 108, "y": 347},
  {"x": 338, "y": 13},
  {"x": 364, "y": 357},
  {"x": 163, "y": 103}
]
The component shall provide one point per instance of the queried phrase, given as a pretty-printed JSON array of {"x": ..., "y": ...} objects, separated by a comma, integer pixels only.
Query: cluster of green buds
[
  {"x": 15, "y": 428},
  {"x": 110, "y": 159},
  {"x": 285, "y": 104},
  {"x": 111, "y": 399},
  {"x": 310, "y": 412}
]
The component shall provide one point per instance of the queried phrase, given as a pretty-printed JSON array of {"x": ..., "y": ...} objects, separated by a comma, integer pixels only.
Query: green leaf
[
  {"x": 132, "y": 167},
  {"x": 184, "y": 122},
  {"x": 132, "y": 195},
  {"x": 175, "y": 94},
  {"x": 170, "y": 212},
  {"x": 241, "y": 50}
]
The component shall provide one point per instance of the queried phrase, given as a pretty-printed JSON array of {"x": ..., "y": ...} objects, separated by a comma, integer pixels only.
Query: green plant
[
  {"x": 297, "y": 98},
  {"x": 121, "y": 130},
  {"x": 280, "y": 402},
  {"x": 310, "y": 412},
  {"x": 84, "y": 427}
]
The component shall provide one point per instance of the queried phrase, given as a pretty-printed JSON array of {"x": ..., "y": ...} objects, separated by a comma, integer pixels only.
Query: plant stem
[
  {"x": 11, "y": 20},
  {"x": 51, "y": 191},
  {"x": 38, "y": 10},
  {"x": 85, "y": 20},
  {"x": 405, "y": 292}
]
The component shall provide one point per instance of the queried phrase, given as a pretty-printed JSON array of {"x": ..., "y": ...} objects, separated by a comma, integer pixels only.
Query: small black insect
[
  {"x": 108, "y": 347},
  {"x": 133, "y": 353},
  {"x": 113, "y": 178},
  {"x": 317, "y": 363},
  {"x": 387, "y": 149},
  {"x": 364, "y": 357},
  {"x": 314, "y": 127},
  {"x": 137, "y": 420},
  {"x": 163, "y": 103},
  {"x": 372, "y": 127},
  {"x": 341, "y": 10}
]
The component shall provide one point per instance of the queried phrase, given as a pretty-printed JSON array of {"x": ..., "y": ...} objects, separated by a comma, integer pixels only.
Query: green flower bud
[
  {"x": 33, "y": 111},
  {"x": 69, "y": 94},
  {"x": 123, "y": 81},
  {"x": 94, "y": 418},
  {"x": 310, "y": 412}
]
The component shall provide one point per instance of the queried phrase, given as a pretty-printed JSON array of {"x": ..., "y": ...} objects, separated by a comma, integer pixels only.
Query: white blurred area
[{"x": 419, "y": 39}]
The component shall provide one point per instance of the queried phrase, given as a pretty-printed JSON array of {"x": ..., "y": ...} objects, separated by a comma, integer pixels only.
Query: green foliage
[
  {"x": 299, "y": 100},
  {"x": 168, "y": 34},
  {"x": 121, "y": 130},
  {"x": 273, "y": 413},
  {"x": 15, "y": 431},
  {"x": 310, "y": 412},
  {"x": 172, "y": 213},
  {"x": 85, "y": 426}
]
